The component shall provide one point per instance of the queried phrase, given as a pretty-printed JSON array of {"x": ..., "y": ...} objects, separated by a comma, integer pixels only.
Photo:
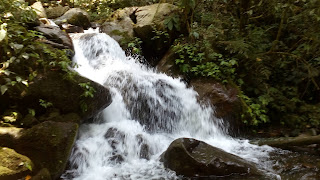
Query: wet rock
[
  {"x": 191, "y": 158},
  {"x": 117, "y": 158},
  {"x": 48, "y": 145},
  {"x": 43, "y": 174},
  {"x": 120, "y": 27},
  {"x": 56, "y": 35},
  {"x": 66, "y": 95},
  {"x": 223, "y": 97},
  {"x": 13, "y": 165},
  {"x": 72, "y": 29},
  {"x": 39, "y": 9},
  {"x": 144, "y": 151},
  {"x": 56, "y": 11},
  {"x": 75, "y": 16},
  {"x": 144, "y": 147}
]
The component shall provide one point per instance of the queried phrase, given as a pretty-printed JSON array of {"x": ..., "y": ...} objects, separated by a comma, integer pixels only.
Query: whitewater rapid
[{"x": 149, "y": 111}]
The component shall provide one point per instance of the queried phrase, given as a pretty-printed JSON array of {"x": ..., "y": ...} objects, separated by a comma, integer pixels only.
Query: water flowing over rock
[
  {"x": 192, "y": 158},
  {"x": 149, "y": 110}
]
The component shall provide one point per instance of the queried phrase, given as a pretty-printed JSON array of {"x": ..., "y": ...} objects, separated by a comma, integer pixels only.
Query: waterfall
[{"x": 149, "y": 110}]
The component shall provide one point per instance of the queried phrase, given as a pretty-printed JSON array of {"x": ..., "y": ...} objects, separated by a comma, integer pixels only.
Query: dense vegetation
[
  {"x": 268, "y": 49},
  {"x": 23, "y": 55}
]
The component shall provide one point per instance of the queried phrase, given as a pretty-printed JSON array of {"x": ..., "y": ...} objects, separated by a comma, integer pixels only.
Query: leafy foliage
[
  {"x": 269, "y": 49},
  {"x": 23, "y": 55}
]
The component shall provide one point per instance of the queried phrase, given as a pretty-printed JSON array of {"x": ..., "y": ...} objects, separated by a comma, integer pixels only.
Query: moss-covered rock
[
  {"x": 75, "y": 16},
  {"x": 120, "y": 25},
  {"x": 66, "y": 95},
  {"x": 48, "y": 144},
  {"x": 56, "y": 11},
  {"x": 13, "y": 165},
  {"x": 150, "y": 19}
]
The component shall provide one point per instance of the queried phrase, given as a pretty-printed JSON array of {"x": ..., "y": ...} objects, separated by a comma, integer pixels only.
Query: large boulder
[
  {"x": 56, "y": 35},
  {"x": 48, "y": 145},
  {"x": 75, "y": 16},
  {"x": 149, "y": 19},
  {"x": 56, "y": 11},
  {"x": 192, "y": 158},
  {"x": 66, "y": 94},
  {"x": 13, "y": 165},
  {"x": 120, "y": 26},
  {"x": 39, "y": 9},
  {"x": 223, "y": 97}
]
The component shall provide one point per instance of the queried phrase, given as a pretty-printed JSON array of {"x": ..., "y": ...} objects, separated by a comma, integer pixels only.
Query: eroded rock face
[
  {"x": 13, "y": 165},
  {"x": 191, "y": 158},
  {"x": 223, "y": 97},
  {"x": 75, "y": 16},
  {"x": 48, "y": 145}
]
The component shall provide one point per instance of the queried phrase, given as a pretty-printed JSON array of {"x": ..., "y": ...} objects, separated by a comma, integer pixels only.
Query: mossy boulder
[
  {"x": 66, "y": 94},
  {"x": 13, "y": 165},
  {"x": 193, "y": 158},
  {"x": 148, "y": 20},
  {"x": 120, "y": 25},
  {"x": 56, "y": 11},
  {"x": 48, "y": 145},
  {"x": 75, "y": 16}
]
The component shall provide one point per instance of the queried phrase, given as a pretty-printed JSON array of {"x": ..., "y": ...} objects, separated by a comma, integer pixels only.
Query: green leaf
[
  {"x": 18, "y": 79},
  {"x": 170, "y": 25},
  {"x": 4, "y": 88}
]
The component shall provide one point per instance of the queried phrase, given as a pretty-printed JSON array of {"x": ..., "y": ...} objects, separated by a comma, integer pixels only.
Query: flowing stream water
[{"x": 149, "y": 111}]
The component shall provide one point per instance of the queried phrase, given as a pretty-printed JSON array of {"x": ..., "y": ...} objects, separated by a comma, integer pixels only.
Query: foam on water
[{"x": 149, "y": 110}]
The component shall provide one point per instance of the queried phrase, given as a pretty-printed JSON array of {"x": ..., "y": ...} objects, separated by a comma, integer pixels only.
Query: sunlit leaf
[{"x": 3, "y": 88}]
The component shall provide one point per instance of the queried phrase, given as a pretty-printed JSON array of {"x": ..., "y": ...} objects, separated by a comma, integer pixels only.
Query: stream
[{"x": 149, "y": 111}]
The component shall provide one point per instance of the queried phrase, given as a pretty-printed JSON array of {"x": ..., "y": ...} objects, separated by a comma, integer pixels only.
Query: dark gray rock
[
  {"x": 56, "y": 35},
  {"x": 191, "y": 158}
]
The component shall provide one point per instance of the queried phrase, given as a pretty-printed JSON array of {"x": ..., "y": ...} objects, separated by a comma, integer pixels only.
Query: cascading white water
[{"x": 149, "y": 110}]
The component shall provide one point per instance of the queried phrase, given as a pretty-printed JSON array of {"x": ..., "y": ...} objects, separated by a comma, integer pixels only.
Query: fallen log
[{"x": 287, "y": 142}]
